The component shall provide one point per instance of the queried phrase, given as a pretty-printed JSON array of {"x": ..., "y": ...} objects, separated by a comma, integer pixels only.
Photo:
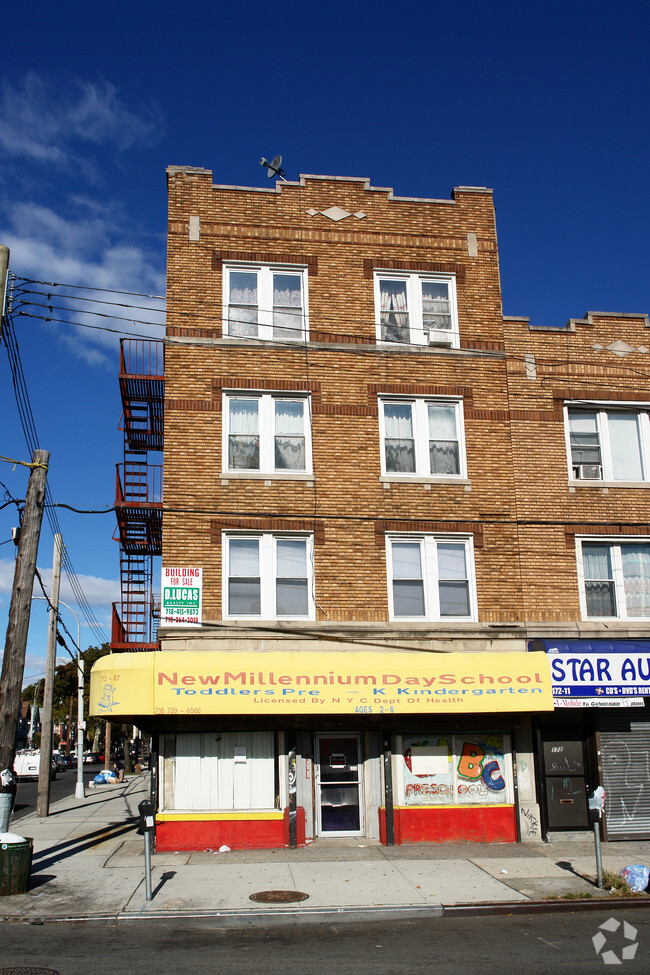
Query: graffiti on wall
[{"x": 456, "y": 769}]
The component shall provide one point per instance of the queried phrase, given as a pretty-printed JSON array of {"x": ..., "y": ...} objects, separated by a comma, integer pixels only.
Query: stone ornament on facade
[
  {"x": 620, "y": 348},
  {"x": 336, "y": 213}
]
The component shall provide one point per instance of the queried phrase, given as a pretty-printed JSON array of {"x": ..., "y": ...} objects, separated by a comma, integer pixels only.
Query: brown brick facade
[{"x": 515, "y": 503}]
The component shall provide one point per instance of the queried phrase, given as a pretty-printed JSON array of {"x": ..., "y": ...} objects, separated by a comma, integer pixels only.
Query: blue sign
[{"x": 598, "y": 669}]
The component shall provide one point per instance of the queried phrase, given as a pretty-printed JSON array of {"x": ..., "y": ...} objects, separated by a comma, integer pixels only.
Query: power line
[
  {"x": 82, "y": 287},
  {"x": 31, "y": 437}
]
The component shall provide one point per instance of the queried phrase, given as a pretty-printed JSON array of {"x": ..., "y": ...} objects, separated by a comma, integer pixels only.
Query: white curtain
[
  {"x": 243, "y": 439},
  {"x": 408, "y": 585},
  {"x": 287, "y": 306},
  {"x": 291, "y": 577},
  {"x": 453, "y": 585},
  {"x": 244, "y": 594},
  {"x": 436, "y": 307},
  {"x": 243, "y": 303},
  {"x": 443, "y": 439},
  {"x": 636, "y": 575},
  {"x": 290, "y": 435},
  {"x": 398, "y": 437},
  {"x": 394, "y": 311},
  {"x": 599, "y": 583},
  {"x": 625, "y": 446}
]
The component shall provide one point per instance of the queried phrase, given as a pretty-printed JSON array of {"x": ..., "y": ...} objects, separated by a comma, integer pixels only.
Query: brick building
[{"x": 387, "y": 510}]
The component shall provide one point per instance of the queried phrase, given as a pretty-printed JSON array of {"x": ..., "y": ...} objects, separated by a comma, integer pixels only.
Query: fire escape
[{"x": 138, "y": 494}]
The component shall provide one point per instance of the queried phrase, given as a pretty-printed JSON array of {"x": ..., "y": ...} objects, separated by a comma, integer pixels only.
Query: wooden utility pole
[
  {"x": 13, "y": 662},
  {"x": 45, "y": 763},
  {"x": 4, "y": 268}
]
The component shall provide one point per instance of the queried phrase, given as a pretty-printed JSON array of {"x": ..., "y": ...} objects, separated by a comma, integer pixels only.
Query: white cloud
[
  {"x": 46, "y": 120},
  {"x": 86, "y": 247},
  {"x": 100, "y": 593}
]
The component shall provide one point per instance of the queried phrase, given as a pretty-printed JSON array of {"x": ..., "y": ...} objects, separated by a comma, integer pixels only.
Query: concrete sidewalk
[{"x": 89, "y": 864}]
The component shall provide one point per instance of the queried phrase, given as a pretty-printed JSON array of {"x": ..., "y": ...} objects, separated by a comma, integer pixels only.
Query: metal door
[
  {"x": 565, "y": 780},
  {"x": 339, "y": 785}
]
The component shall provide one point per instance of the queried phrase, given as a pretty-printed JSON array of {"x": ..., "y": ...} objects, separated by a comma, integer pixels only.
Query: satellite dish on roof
[{"x": 274, "y": 168}]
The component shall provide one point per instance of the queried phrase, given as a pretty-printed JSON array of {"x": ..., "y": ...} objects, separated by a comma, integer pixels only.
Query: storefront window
[
  {"x": 219, "y": 771},
  {"x": 457, "y": 769}
]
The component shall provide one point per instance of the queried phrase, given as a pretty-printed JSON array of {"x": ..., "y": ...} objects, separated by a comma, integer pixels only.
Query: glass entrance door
[{"x": 339, "y": 785}]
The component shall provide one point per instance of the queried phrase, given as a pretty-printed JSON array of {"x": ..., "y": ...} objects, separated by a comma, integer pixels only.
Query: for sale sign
[{"x": 182, "y": 591}]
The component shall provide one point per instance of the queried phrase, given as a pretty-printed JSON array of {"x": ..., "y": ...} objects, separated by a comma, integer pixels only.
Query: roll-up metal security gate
[{"x": 625, "y": 759}]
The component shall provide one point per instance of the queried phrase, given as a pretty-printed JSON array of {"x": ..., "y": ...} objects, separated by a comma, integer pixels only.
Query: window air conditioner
[
  {"x": 588, "y": 472},
  {"x": 439, "y": 336}
]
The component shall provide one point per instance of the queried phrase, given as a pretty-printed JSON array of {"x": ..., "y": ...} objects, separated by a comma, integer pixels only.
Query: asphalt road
[
  {"x": 515, "y": 945},
  {"x": 60, "y": 787}
]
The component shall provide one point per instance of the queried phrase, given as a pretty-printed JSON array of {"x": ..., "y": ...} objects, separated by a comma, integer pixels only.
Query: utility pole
[
  {"x": 13, "y": 662},
  {"x": 45, "y": 763},
  {"x": 4, "y": 268}
]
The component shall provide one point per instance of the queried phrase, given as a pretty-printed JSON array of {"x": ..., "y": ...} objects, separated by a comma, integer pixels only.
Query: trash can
[{"x": 15, "y": 867}]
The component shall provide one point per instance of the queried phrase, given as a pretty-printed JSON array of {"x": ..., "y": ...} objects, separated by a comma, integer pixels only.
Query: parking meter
[
  {"x": 145, "y": 826},
  {"x": 145, "y": 808},
  {"x": 596, "y": 806}
]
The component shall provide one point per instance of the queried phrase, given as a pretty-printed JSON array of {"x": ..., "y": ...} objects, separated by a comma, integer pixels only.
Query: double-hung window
[
  {"x": 265, "y": 302},
  {"x": 267, "y": 433},
  {"x": 608, "y": 443},
  {"x": 430, "y": 577},
  {"x": 268, "y": 576},
  {"x": 614, "y": 579},
  {"x": 422, "y": 437},
  {"x": 417, "y": 309}
]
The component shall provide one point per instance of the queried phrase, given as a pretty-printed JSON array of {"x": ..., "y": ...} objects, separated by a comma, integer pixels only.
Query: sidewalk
[{"x": 89, "y": 864}]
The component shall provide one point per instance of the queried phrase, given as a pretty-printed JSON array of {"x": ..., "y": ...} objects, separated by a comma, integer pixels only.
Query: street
[
  {"x": 60, "y": 787},
  {"x": 522, "y": 944}
]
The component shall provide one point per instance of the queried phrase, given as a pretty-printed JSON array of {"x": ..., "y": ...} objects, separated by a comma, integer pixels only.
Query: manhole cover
[
  {"x": 28, "y": 971},
  {"x": 276, "y": 897}
]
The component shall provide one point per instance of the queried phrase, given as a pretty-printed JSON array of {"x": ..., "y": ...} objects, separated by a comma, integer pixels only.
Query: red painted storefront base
[
  {"x": 474, "y": 824},
  {"x": 238, "y": 834}
]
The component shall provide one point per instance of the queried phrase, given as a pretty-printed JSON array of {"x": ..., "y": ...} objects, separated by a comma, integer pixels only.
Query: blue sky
[{"x": 545, "y": 103}]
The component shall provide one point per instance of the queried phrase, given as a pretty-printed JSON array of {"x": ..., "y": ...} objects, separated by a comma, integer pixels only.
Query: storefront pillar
[
  {"x": 388, "y": 792},
  {"x": 528, "y": 810}
]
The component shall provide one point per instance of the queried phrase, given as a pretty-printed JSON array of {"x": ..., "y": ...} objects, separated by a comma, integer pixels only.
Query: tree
[{"x": 65, "y": 687}]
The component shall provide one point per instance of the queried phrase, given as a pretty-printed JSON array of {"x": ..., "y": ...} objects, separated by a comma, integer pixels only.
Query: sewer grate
[
  {"x": 28, "y": 971},
  {"x": 276, "y": 897}
]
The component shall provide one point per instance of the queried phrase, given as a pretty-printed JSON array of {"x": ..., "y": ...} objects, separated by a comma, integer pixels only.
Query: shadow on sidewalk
[
  {"x": 62, "y": 851},
  {"x": 568, "y": 866},
  {"x": 96, "y": 798}
]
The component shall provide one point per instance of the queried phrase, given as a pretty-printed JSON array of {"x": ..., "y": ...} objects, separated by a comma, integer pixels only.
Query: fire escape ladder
[{"x": 138, "y": 495}]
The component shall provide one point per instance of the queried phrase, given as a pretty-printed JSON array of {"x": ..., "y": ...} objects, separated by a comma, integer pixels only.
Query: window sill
[
  {"x": 573, "y": 483},
  {"x": 444, "y": 620},
  {"x": 435, "y": 346},
  {"x": 388, "y": 479},
  {"x": 261, "y": 476}
]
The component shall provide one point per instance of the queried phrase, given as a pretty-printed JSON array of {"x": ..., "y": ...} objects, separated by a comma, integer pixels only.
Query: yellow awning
[{"x": 329, "y": 682}]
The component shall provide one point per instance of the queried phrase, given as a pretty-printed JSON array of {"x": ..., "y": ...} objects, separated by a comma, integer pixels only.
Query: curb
[
  {"x": 574, "y": 905},
  {"x": 325, "y": 914}
]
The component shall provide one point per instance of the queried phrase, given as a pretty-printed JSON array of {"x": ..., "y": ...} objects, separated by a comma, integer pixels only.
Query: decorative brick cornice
[
  {"x": 267, "y": 524},
  {"x": 183, "y": 332},
  {"x": 418, "y": 389},
  {"x": 482, "y": 345},
  {"x": 265, "y": 257},
  {"x": 372, "y": 264},
  {"x": 612, "y": 530},
  {"x": 437, "y": 527},
  {"x": 255, "y": 384}
]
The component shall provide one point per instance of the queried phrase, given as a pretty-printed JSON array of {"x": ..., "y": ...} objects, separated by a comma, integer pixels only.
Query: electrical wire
[
  {"x": 82, "y": 287},
  {"x": 26, "y": 417}
]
